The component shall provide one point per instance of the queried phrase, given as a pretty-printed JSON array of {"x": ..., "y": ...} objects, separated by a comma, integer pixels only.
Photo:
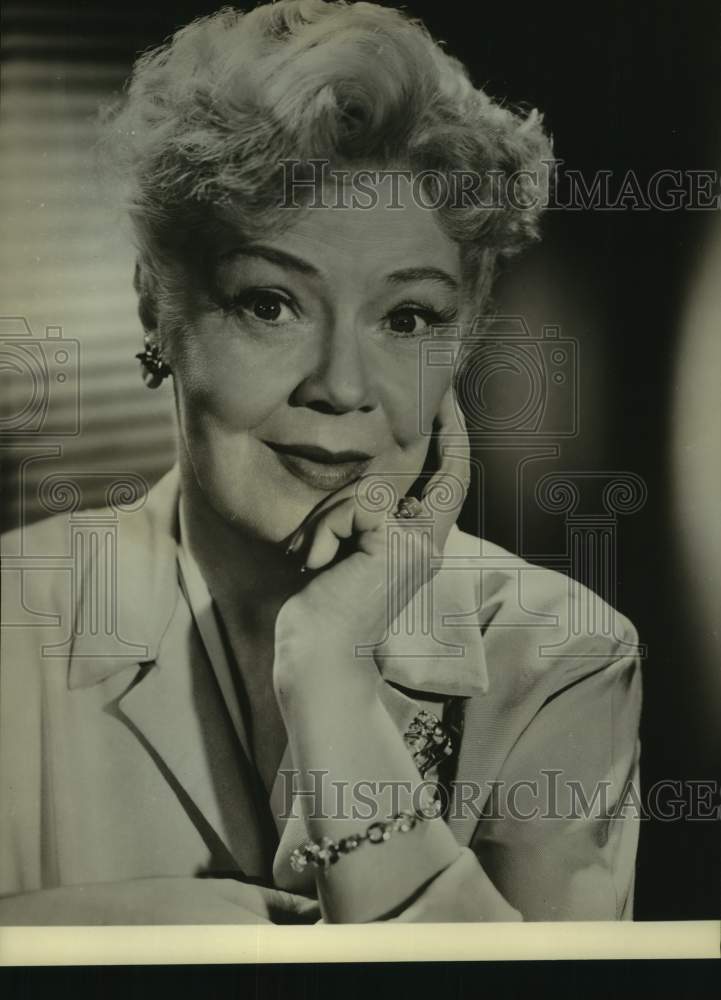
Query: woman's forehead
[{"x": 334, "y": 232}]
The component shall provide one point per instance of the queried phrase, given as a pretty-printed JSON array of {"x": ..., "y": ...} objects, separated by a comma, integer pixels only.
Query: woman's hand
[
  {"x": 158, "y": 901},
  {"x": 353, "y": 601}
]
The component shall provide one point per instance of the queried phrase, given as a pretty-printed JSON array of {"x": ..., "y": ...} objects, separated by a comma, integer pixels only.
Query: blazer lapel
[
  {"x": 177, "y": 713},
  {"x": 435, "y": 644},
  {"x": 171, "y": 703},
  {"x": 128, "y": 580}
]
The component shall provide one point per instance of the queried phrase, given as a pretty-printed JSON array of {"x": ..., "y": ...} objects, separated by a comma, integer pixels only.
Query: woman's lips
[{"x": 321, "y": 469}]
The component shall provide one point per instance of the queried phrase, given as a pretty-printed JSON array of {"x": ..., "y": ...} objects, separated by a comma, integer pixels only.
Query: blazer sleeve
[
  {"x": 558, "y": 837},
  {"x": 560, "y": 830}
]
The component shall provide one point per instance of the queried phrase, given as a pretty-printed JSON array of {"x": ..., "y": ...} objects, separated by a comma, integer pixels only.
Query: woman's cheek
[
  {"x": 240, "y": 402},
  {"x": 235, "y": 384},
  {"x": 412, "y": 402}
]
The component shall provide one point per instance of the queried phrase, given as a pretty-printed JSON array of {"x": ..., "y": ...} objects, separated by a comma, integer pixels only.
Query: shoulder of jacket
[
  {"x": 524, "y": 604},
  {"x": 39, "y": 556}
]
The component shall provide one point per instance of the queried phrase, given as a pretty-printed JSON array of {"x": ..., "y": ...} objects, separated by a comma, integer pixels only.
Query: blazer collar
[
  {"x": 435, "y": 646},
  {"x": 144, "y": 590}
]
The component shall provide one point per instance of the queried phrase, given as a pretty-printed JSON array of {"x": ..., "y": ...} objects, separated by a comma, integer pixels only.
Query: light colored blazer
[{"x": 119, "y": 759}]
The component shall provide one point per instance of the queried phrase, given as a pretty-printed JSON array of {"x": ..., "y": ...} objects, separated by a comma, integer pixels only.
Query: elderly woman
[{"x": 322, "y": 700}]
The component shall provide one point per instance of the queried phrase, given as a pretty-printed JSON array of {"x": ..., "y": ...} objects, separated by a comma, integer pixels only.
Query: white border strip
[{"x": 381, "y": 942}]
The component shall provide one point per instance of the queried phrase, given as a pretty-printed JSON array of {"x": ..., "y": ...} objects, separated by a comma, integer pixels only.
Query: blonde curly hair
[{"x": 210, "y": 116}]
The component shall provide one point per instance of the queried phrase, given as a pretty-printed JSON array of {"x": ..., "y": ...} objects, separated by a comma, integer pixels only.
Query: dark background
[
  {"x": 679, "y": 978},
  {"x": 622, "y": 86}
]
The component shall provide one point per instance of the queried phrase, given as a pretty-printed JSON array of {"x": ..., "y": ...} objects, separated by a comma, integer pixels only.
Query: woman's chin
[{"x": 273, "y": 517}]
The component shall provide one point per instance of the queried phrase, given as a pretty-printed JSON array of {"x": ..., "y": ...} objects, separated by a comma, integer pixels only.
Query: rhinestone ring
[{"x": 408, "y": 507}]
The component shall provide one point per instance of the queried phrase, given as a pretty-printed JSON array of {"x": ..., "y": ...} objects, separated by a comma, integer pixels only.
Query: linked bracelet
[
  {"x": 324, "y": 853},
  {"x": 429, "y": 743}
]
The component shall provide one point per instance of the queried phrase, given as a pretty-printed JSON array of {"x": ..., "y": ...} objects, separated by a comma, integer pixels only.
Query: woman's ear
[{"x": 145, "y": 286}]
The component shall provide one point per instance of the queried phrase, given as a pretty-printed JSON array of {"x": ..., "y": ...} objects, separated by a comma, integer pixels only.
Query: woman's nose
[{"x": 339, "y": 382}]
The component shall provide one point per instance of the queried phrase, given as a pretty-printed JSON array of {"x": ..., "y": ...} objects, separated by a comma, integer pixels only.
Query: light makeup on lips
[{"x": 319, "y": 468}]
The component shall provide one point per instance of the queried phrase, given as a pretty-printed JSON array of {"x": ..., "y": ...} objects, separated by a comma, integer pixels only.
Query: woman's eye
[
  {"x": 410, "y": 321},
  {"x": 268, "y": 306}
]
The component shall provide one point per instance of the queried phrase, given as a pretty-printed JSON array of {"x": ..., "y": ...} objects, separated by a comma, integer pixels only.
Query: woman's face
[{"x": 299, "y": 358}]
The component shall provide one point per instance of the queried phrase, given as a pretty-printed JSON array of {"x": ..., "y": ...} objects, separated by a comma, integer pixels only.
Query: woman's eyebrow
[
  {"x": 280, "y": 257},
  {"x": 407, "y": 274},
  {"x": 288, "y": 260}
]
